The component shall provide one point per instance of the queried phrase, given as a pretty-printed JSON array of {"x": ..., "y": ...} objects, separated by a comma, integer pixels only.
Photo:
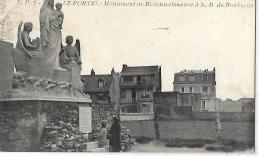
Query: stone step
[
  {"x": 97, "y": 150},
  {"x": 88, "y": 146}
]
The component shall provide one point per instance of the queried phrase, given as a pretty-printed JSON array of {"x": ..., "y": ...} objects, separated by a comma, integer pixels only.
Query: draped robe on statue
[{"x": 51, "y": 36}]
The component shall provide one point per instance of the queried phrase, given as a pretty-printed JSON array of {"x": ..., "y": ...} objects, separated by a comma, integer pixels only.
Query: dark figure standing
[{"x": 115, "y": 136}]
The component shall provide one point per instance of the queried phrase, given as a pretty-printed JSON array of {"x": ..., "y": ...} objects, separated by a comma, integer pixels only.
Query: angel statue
[
  {"x": 24, "y": 42},
  {"x": 70, "y": 54},
  {"x": 27, "y": 55}
]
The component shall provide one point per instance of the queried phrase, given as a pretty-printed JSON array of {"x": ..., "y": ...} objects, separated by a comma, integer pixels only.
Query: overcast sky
[{"x": 191, "y": 38}]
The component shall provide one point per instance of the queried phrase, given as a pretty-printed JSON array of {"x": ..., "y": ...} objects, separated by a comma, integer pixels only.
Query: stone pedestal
[
  {"x": 22, "y": 121},
  {"x": 6, "y": 67}
]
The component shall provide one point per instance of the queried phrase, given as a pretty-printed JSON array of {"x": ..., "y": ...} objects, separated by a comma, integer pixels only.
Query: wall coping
[{"x": 58, "y": 99}]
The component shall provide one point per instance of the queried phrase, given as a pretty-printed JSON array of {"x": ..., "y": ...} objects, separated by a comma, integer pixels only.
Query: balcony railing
[
  {"x": 127, "y": 100},
  {"x": 136, "y": 83},
  {"x": 145, "y": 99},
  {"x": 136, "y": 116}
]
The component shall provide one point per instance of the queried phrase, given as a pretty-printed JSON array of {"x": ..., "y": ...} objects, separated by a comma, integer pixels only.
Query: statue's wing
[{"x": 77, "y": 45}]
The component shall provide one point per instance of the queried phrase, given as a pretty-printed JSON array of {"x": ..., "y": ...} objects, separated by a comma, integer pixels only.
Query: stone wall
[
  {"x": 225, "y": 116},
  {"x": 19, "y": 130},
  {"x": 7, "y": 66},
  {"x": 175, "y": 105},
  {"x": 22, "y": 122}
]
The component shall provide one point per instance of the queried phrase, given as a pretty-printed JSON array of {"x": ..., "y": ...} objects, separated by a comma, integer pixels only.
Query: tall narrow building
[
  {"x": 198, "y": 81},
  {"x": 137, "y": 85}
]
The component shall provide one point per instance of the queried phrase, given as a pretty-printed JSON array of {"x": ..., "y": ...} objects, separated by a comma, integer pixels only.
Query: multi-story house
[
  {"x": 102, "y": 88},
  {"x": 198, "y": 81},
  {"x": 137, "y": 85}
]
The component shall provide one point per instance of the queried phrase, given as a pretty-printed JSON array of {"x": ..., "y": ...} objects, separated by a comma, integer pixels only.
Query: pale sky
[{"x": 197, "y": 38}]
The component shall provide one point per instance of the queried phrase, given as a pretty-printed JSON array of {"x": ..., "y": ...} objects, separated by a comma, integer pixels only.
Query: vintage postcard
[{"x": 157, "y": 76}]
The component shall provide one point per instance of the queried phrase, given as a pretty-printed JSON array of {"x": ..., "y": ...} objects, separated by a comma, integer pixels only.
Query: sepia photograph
[{"x": 131, "y": 76}]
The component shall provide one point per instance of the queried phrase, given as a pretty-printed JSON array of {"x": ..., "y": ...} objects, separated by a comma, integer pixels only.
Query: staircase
[{"x": 93, "y": 147}]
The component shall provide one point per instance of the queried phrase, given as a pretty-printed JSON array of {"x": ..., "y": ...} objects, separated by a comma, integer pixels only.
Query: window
[
  {"x": 145, "y": 94},
  {"x": 191, "y": 89},
  {"x": 128, "y": 78},
  {"x": 192, "y": 77},
  {"x": 100, "y": 83},
  {"x": 182, "y": 89},
  {"x": 181, "y": 78},
  {"x": 146, "y": 78},
  {"x": 203, "y": 104},
  {"x": 122, "y": 94},
  {"x": 101, "y": 97},
  {"x": 204, "y": 77},
  {"x": 205, "y": 90},
  {"x": 131, "y": 109}
]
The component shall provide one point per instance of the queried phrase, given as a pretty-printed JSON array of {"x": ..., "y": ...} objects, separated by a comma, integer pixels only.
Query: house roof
[
  {"x": 91, "y": 82},
  {"x": 139, "y": 70},
  {"x": 194, "y": 71}
]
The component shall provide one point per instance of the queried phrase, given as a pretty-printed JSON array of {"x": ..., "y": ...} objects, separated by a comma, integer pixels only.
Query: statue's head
[
  {"x": 51, "y": 3},
  {"x": 58, "y": 6},
  {"x": 28, "y": 26},
  {"x": 69, "y": 39}
]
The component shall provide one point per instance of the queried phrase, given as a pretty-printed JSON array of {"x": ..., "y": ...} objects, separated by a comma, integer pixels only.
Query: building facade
[
  {"x": 103, "y": 89},
  {"x": 137, "y": 85},
  {"x": 240, "y": 105},
  {"x": 198, "y": 81},
  {"x": 176, "y": 105}
]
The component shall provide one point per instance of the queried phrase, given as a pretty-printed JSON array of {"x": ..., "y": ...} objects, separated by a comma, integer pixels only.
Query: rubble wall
[{"x": 22, "y": 122}]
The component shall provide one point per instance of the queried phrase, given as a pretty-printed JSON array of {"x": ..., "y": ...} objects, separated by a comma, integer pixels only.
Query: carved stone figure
[
  {"x": 40, "y": 57},
  {"x": 27, "y": 56},
  {"x": 50, "y": 34},
  {"x": 59, "y": 15},
  {"x": 70, "y": 54},
  {"x": 31, "y": 47}
]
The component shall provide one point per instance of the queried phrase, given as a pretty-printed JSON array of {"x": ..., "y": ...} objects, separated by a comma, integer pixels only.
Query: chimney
[
  {"x": 113, "y": 71},
  {"x": 92, "y": 72},
  {"x": 124, "y": 65},
  {"x": 214, "y": 69}
]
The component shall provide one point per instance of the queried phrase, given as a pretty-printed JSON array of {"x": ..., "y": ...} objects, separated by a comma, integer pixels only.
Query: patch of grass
[
  {"x": 237, "y": 145},
  {"x": 220, "y": 145},
  {"x": 190, "y": 143},
  {"x": 143, "y": 140},
  {"x": 220, "y": 148}
]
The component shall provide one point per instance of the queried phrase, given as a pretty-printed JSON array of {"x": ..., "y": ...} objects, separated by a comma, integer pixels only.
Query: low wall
[
  {"x": 224, "y": 116},
  {"x": 136, "y": 116},
  {"x": 140, "y": 128},
  {"x": 240, "y": 131}
]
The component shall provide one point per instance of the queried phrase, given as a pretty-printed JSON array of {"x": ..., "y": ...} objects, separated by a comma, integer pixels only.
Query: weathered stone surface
[
  {"x": 7, "y": 66},
  {"x": 30, "y": 87},
  {"x": 23, "y": 125}
]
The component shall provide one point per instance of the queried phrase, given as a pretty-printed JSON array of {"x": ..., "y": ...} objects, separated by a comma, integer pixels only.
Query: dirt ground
[{"x": 159, "y": 147}]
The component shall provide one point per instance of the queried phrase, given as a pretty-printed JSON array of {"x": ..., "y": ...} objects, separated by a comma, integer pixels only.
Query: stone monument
[{"x": 47, "y": 75}]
